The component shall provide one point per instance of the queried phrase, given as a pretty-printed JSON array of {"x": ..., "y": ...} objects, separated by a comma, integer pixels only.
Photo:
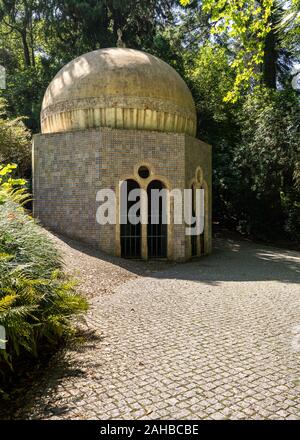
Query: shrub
[
  {"x": 15, "y": 144},
  {"x": 37, "y": 301}
]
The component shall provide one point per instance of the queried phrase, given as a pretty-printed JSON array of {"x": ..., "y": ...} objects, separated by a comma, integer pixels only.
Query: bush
[
  {"x": 15, "y": 142},
  {"x": 37, "y": 301}
]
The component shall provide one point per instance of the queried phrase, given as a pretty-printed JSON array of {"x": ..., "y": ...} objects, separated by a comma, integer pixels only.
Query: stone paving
[{"x": 212, "y": 339}]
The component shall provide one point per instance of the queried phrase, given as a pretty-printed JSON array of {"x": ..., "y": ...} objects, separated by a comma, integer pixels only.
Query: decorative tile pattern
[{"x": 70, "y": 168}]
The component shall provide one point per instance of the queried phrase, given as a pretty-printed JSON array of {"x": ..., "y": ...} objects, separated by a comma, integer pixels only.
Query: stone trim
[
  {"x": 114, "y": 101},
  {"x": 143, "y": 184}
]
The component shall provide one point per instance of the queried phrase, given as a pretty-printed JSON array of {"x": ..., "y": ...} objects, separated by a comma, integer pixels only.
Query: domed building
[{"x": 113, "y": 116}]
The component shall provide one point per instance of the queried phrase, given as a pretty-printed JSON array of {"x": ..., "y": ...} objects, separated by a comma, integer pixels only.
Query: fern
[
  {"x": 37, "y": 301},
  {"x": 6, "y": 302}
]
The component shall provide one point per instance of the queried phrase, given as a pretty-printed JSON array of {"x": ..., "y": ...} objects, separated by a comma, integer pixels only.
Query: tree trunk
[
  {"x": 32, "y": 47},
  {"x": 26, "y": 51},
  {"x": 270, "y": 61}
]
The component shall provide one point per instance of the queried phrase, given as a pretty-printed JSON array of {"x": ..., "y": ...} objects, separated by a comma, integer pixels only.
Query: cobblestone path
[{"x": 217, "y": 338}]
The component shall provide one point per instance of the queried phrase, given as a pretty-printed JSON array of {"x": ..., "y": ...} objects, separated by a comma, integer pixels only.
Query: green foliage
[
  {"x": 255, "y": 136},
  {"x": 247, "y": 23},
  {"x": 81, "y": 26},
  {"x": 266, "y": 164},
  {"x": 236, "y": 56},
  {"x": 256, "y": 149},
  {"x": 289, "y": 27},
  {"x": 11, "y": 188},
  {"x": 37, "y": 301},
  {"x": 212, "y": 77},
  {"x": 15, "y": 145},
  {"x": 37, "y": 38},
  {"x": 24, "y": 93}
]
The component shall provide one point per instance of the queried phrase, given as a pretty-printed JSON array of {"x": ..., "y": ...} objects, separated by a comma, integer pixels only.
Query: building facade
[{"x": 111, "y": 116}]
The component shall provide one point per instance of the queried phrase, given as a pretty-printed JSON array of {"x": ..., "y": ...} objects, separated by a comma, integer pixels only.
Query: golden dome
[{"x": 118, "y": 88}]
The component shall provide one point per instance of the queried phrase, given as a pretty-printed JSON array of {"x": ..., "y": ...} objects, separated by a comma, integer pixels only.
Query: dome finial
[{"x": 120, "y": 42}]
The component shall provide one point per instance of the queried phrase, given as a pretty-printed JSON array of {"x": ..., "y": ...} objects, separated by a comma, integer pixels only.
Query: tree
[
  {"x": 248, "y": 25},
  {"x": 19, "y": 17},
  {"x": 82, "y": 26},
  {"x": 256, "y": 150},
  {"x": 266, "y": 164},
  {"x": 39, "y": 37}
]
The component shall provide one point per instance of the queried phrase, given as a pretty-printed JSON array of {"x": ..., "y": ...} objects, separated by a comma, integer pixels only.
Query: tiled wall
[{"x": 69, "y": 169}]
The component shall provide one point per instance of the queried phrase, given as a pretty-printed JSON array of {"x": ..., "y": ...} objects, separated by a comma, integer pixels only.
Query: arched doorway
[
  {"x": 130, "y": 227},
  {"x": 157, "y": 224}
]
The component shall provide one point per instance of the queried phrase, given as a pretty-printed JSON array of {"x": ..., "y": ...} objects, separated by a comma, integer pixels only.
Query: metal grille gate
[
  {"x": 157, "y": 230},
  {"x": 130, "y": 233}
]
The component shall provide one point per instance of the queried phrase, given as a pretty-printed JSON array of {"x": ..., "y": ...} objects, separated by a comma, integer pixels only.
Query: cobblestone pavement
[{"x": 211, "y": 339}]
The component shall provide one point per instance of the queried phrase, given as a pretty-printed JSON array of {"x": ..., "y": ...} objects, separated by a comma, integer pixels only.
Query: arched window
[
  {"x": 130, "y": 222},
  {"x": 157, "y": 221}
]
